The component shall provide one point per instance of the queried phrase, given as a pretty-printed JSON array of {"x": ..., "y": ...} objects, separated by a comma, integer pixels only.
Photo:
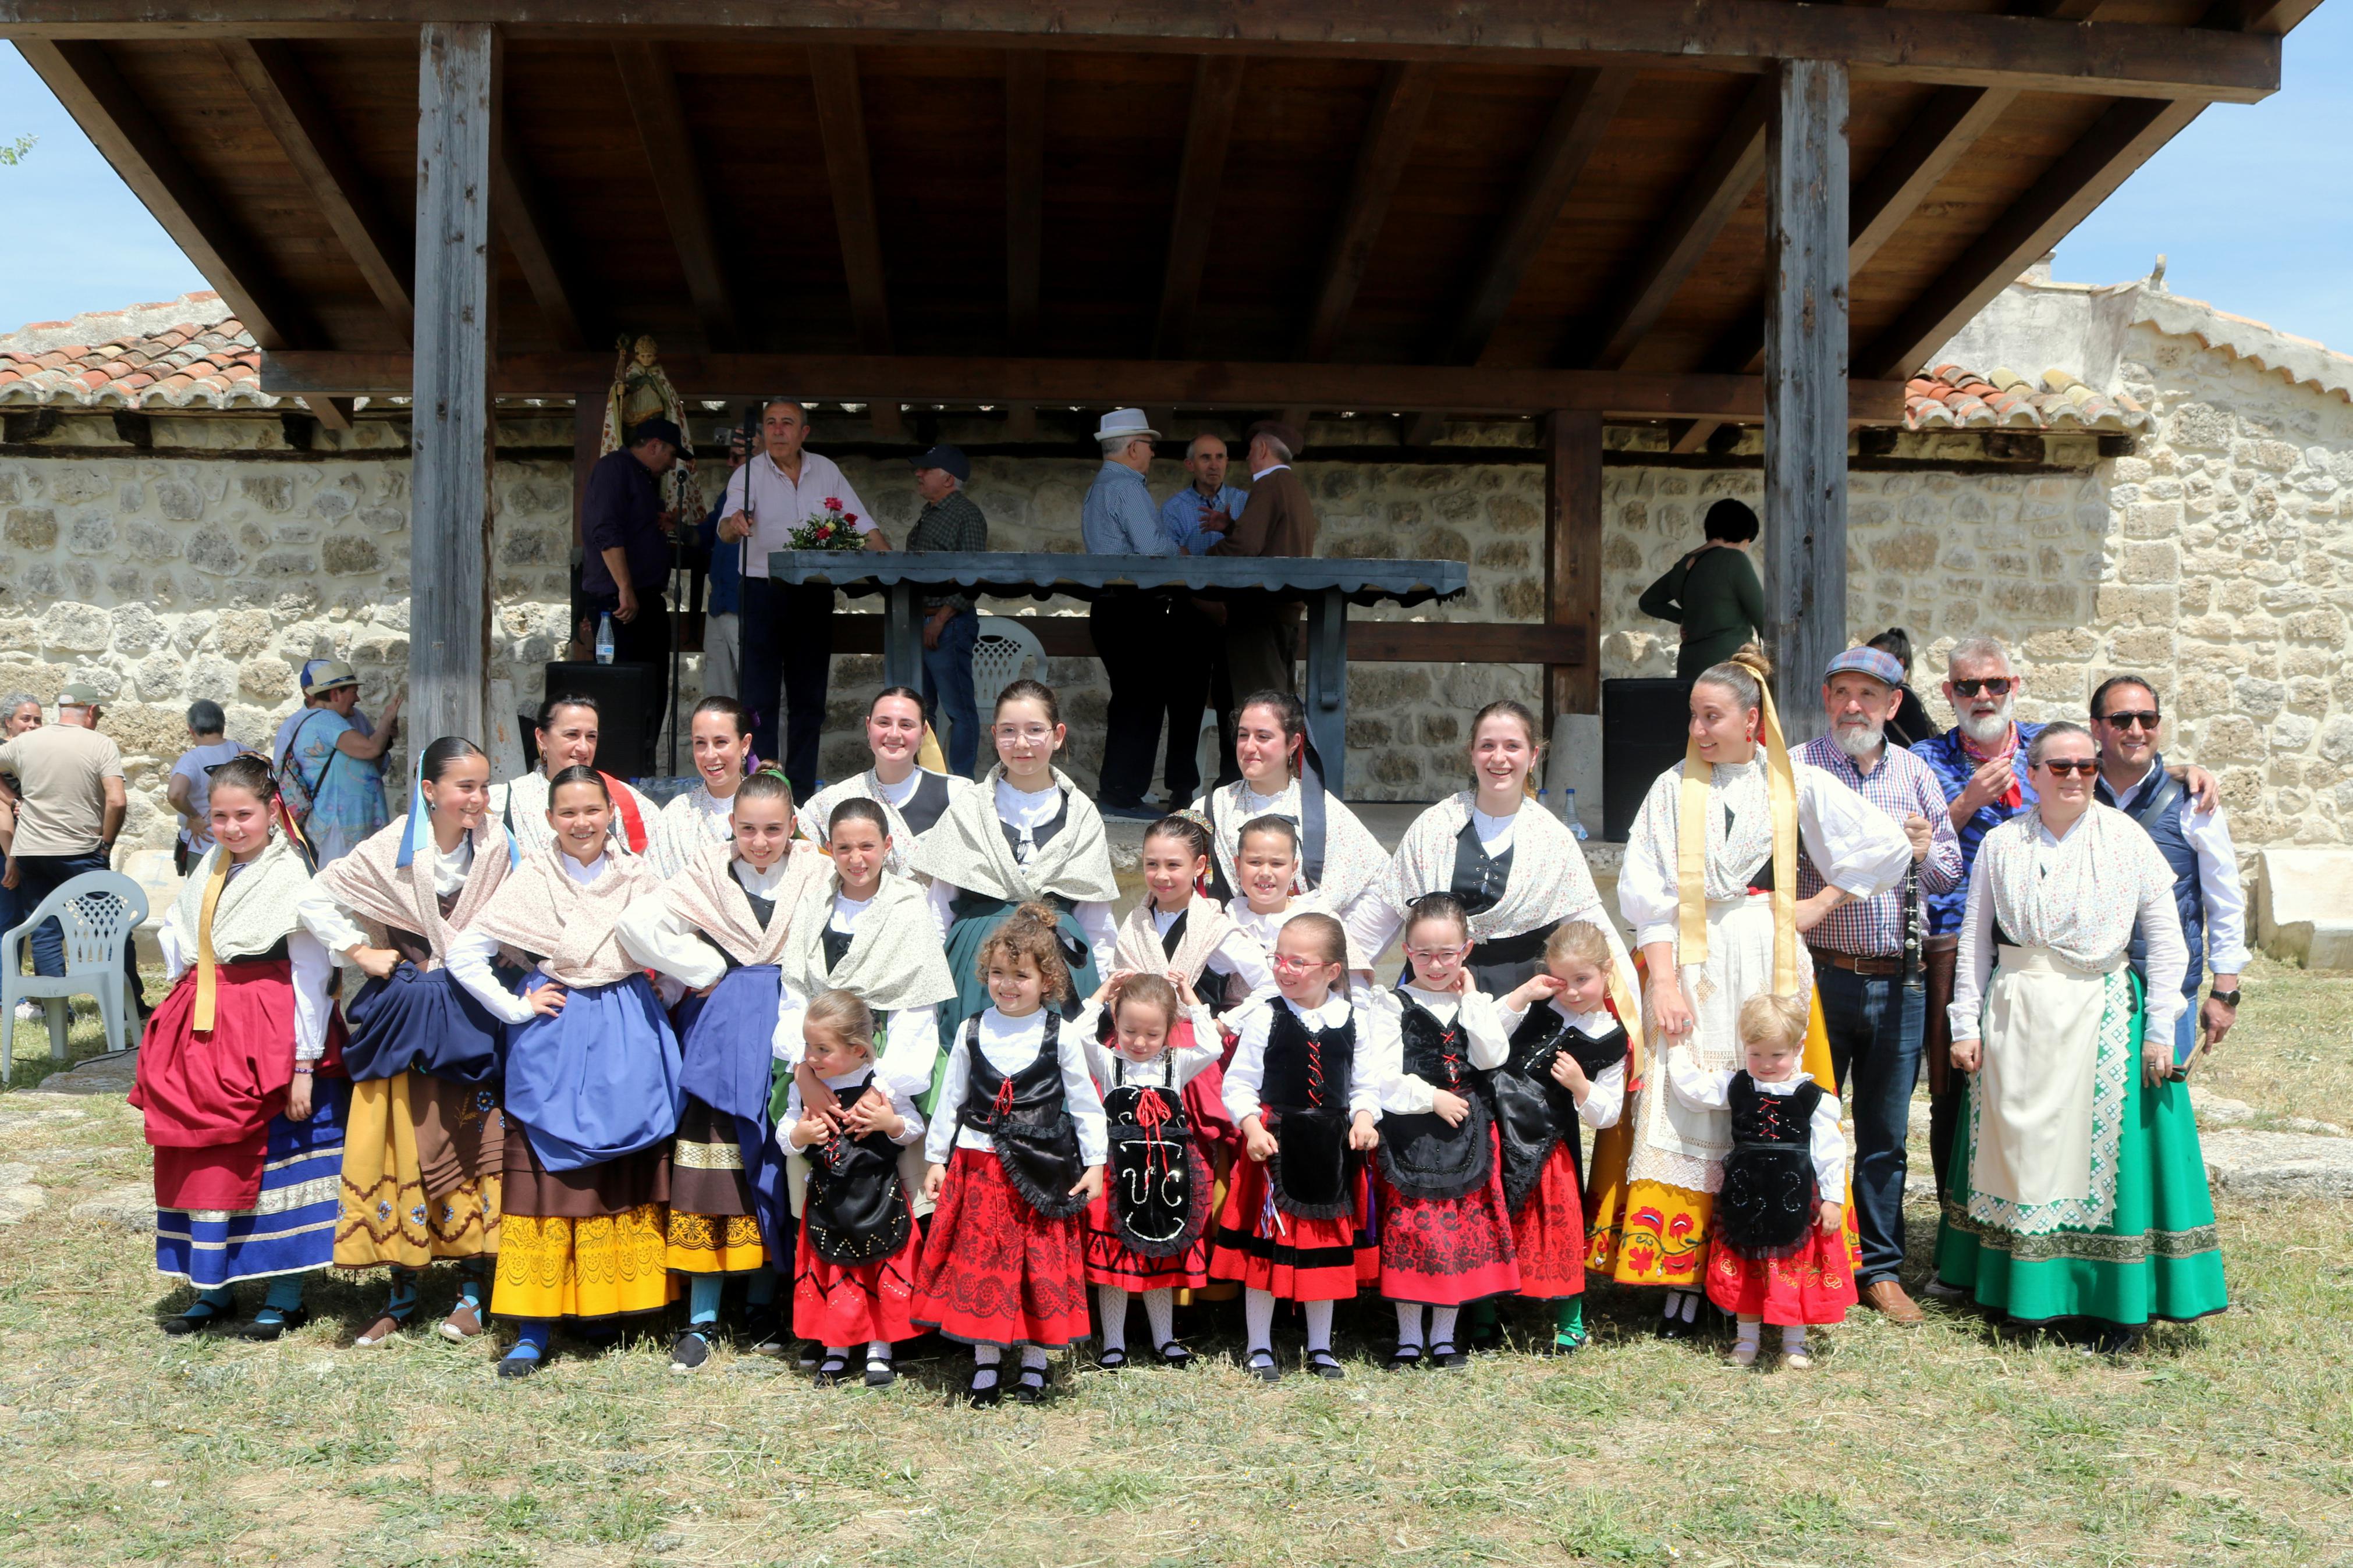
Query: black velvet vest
[
  {"x": 1767, "y": 1203},
  {"x": 1421, "y": 1155},
  {"x": 857, "y": 1206},
  {"x": 1028, "y": 1121}
]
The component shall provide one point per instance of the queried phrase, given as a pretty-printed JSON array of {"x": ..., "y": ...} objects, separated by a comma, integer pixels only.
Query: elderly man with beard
[
  {"x": 1873, "y": 996},
  {"x": 1981, "y": 762}
]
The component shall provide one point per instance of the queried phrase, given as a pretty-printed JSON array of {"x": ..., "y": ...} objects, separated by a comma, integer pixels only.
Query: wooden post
[
  {"x": 1572, "y": 562},
  {"x": 1806, "y": 385},
  {"x": 451, "y": 436}
]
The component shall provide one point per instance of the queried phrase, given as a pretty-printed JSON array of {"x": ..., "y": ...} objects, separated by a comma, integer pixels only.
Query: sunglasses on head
[
  {"x": 2060, "y": 767},
  {"x": 1999, "y": 685},
  {"x": 2144, "y": 719}
]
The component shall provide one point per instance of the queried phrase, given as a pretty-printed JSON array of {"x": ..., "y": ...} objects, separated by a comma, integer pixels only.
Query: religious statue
[{"x": 640, "y": 391}]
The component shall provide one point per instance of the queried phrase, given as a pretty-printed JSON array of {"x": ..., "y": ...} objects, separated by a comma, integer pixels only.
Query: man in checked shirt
[{"x": 1873, "y": 1010}]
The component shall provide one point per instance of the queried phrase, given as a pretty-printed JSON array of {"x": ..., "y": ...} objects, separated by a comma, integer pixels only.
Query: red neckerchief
[{"x": 2014, "y": 798}]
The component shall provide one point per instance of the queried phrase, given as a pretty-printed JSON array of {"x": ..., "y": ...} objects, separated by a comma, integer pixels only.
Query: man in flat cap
[
  {"x": 627, "y": 535},
  {"x": 1261, "y": 631}
]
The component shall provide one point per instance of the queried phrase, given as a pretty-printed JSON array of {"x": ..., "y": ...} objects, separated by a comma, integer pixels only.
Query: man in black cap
[
  {"x": 949, "y": 520},
  {"x": 625, "y": 532}
]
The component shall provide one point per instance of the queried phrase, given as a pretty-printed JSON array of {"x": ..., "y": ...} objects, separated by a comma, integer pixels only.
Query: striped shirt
[
  {"x": 1948, "y": 758},
  {"x": 1902, "y": 786}
]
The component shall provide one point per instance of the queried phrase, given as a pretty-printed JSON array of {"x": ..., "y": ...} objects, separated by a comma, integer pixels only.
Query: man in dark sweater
[
  {"x": 1263, "y": 631},
  {"x": 626, "y": 565}
]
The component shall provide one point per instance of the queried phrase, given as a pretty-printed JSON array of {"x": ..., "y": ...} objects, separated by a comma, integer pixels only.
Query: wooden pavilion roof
[{"x": 1435, "y": 201}]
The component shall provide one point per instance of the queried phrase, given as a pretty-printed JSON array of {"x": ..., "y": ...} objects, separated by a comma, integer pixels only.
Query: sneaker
[{"x": 689, "y": 1351}]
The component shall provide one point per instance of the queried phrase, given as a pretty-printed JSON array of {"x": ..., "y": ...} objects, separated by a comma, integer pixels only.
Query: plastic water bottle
[
  {"x": 1569, "y": 812},
  {"x": 1544, "y": 799},
  {"x": 605, "y": 638}
]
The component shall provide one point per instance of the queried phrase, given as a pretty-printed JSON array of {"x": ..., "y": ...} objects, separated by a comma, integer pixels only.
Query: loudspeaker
[
  {"x": 1643, "y": 726},
  {"x": 629, "y": 711}
]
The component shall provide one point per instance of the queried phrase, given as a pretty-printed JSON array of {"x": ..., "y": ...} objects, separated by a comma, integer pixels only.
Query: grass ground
[{"x": 2230, "y": 1440}]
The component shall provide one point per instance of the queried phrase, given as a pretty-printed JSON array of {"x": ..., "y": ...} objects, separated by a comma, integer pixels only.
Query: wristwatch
[{"x": 2228, "y": 998}]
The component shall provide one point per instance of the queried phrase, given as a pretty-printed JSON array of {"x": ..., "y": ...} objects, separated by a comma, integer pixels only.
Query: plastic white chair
[
  {"x": 1006, "y": 651},
  {"x": 99, "y": 910}
]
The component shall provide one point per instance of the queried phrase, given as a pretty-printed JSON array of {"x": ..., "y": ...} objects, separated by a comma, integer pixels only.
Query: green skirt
[
  {"x": 972, "y": 918},
  {"x": 2158, "y": 1259}
]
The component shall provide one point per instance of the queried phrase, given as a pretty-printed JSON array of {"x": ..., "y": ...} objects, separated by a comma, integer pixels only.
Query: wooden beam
[
  {"x": 334, "y": 413},
  {"x": 452, "y": 430},
  {"x": 1807, "y": 228},
  {"x": 652, "y": 93},
  {"x": 520, "y": 217},
  {"x": 1572, "y": 441},
  {"x": 1379, "y": 642},
  {"x": 2270, "y": 17},
  {"x": 2127, "y": 60},
  {"x": 2125, "y": 137},
  {"x": 116, "y": 119},
  {"x": 1709, "y": 199},
  {"x": 1947, "y": 127},
  {"x": 1209, "y": 131},
  {"x": 1578, "y": 123},
  {"x": 1190, "y": 383},
  {"x": 282, "y": 95},
  {"x": 849, "y": 175},
  {"x": 1399, "y": 105}
]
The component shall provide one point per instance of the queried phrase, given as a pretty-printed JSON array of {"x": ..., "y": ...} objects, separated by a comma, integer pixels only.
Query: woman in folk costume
[
  {"x": 719, "y": 927},
  {"x": 567, "y": 733},
  {"x": 1339, "y": 858},
  {"x": 1027, "y": 834},
  {"x": 1516, "y": 870},
  {"x": 704, "y": 815},
  {"x": 2076, "y": 1187},
  {"x": 424, "y": 1148},
  {"x": 240, "y": 1076},
  {"x": 913, "y": 797},
  {"x": 593, "y": 1094},
  {"x": 1710, "y": 886}
]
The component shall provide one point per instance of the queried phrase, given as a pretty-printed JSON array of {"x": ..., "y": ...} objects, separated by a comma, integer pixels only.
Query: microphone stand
[{"x": 681, "y": 585}]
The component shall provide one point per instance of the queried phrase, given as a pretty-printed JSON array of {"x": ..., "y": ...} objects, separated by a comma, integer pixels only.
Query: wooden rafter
[
  {"x": 520, "y": 219},
  {"x": 1208, "y": 132},
  {"x": 850, "y": 173},
  {"x": 652, "y": 91},
  {"x": 2125, "y": 136},
  {"x": 282, "y": 95},
  {"x": 1399, "y": 106}
]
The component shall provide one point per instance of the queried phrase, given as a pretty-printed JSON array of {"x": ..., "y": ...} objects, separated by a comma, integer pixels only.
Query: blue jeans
[
  {"x": 1874, "y": 1021},
  {"x": 947, "y": 686},
  {"x": 44, "y": 875}
]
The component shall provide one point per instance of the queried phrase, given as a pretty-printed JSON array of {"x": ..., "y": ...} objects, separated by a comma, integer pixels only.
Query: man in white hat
[{"x": 1129, "y": 626}]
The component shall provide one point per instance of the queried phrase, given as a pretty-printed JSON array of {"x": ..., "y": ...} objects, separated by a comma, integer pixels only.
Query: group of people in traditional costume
[{"x": 883, "y": 1062}]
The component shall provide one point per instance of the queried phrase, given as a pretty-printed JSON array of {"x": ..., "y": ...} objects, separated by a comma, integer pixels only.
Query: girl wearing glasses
[
  {"x": 1026, "y": 835},
  {"x": 2077, "y": 1188}
]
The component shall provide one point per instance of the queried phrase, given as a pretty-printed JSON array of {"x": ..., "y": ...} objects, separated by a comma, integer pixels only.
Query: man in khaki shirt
[{"x": 69, "y": 802}]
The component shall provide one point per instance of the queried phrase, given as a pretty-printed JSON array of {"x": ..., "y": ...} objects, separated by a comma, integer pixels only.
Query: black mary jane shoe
[
  {"x": 1405, "y": 1358},
  {"x": 987, "y": 1398},
  {"x": 1030, "y": 1387},
  {"x": 1111, "y": 1361},
  {"x": 831, "y": 1370},
  {"x": 1449, "y": 1357},
  {"x": 1677, "y": 1329},
  {"x": 1261, "y": 1365},
  {"x": 880, "y": 1372},
  {"x": 690, "y": 1350},
  {"x": 512, "y": 1365},
  {"x": 1174, "y": 1356},
  {"x": 196, "y": 1322},
  {"x": 1324, "y": 1363},
  {"x": 262, "y": 1332}
]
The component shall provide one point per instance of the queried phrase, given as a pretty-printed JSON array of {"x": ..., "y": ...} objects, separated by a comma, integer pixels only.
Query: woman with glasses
[{"x": 2076, "y": 1189}]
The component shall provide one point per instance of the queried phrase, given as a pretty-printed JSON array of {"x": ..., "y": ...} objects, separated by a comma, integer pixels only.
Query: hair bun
[
  {"x": 1042, "y": 913},
  {"x": 1753, "y": 657}
]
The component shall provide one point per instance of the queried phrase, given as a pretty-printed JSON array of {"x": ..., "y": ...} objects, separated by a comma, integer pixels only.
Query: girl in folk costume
[
  {"x": 912, "y": 797},
  {"x": 2076, "y": 1187},
  {"x": 1569, "y": 1055},
  {"x": 239, "y": 1075},
  {"x": 1710, "y": 886},
  {"x": 1519, "y": 872},
  {"x": 1014, "y": 1155},
  {"x": 1266, "y": 860},
  {"x": 567, "y": 733},
  {"x": 1303, "y": 1088},
  {"x": 423, "y": 1152},
  {"x": 704, "y": 815},
  {"x": 1026, "y": 835},
  {"x": 719, "y": 927},
  {"x": 1174, "y": 930},
  {"x": 1339, "y": 856},
  {"x": 1780, "y": 1254},
  {"x": 1446, "y": 1232},
  {"x": 592, "y": 1084},
  {"x": 1148, "y": 1232},
  {"x": 856, "y": 1279}
]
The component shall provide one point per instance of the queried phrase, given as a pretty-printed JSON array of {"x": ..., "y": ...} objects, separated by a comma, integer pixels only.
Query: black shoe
[
  {"x": 1261, "y": 1364},
  {"x": 690, "y": 1350},
  {"x": 262, "y": 1330},
  {"x": 811, "y": 1352},
  {"x": 765, "y": 1333},
  {"x": 1677, "y": 1329},
  {"x": 880, "y": 1371},
  {"x": 1173, "y": 1356},
  {"x": 1564, "y": 1345},
  {"x": 1031, "y": 1388},
  {"x": 987, "y": 1398},
  {"x": 1405, "y": 1358},
  {"x": 1324, "y": 1363},
  {"x": 200, "y": 1318},
  {"x": 1448, "y": 1358},
  {"x": 512, "y": 1365},
  {"x": 831, "y": 1370},
  {"x": 1111, "y": 1361}
]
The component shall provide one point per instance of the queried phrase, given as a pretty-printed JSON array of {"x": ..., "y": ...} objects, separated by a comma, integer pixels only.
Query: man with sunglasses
[{"x": 2194, "y": 840}]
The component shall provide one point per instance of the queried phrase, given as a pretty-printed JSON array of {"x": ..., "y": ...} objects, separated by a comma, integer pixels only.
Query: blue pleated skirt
[{"x": 290, "y": 1230}]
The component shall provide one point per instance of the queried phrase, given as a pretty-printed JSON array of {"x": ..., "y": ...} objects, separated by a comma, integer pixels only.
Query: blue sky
[{"x": 2250, "y": 204}]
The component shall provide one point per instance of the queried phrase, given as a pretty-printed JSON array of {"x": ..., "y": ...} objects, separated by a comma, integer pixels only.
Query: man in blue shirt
[
  {"x": 1195, "y": 518},
  {"x": 1130, "y": 627}
]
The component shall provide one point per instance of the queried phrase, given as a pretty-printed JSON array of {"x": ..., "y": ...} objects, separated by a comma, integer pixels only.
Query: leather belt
[{"x": 1855, "y": 962}]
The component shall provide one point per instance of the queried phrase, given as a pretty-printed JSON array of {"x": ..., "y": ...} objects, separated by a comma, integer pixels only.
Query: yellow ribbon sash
[
  {"x": 1691, "y": 853},
  {"x": 207, "y": 966}
]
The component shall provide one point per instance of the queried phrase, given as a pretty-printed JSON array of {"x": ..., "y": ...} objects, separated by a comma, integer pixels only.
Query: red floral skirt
[
  {"x": 1815, "y": 1285},
  {"x": 1291, "y": 1258},
  {"x": 839, "y": 1305},
  {"x": 1549, "y": 1233},
  {"x": 996, "y": 1271},
  {"x": 1443, "y": 1252}
]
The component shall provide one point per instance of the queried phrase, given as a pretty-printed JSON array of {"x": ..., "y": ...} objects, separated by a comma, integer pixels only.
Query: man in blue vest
[{"x": 2196, "y": 844}]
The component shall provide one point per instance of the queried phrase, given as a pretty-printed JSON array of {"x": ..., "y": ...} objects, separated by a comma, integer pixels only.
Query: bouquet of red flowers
[{"x": 828, "y": 528}]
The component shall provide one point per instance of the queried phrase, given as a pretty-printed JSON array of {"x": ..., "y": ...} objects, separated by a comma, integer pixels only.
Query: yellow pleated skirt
[{"x": 387, "y": 1216}]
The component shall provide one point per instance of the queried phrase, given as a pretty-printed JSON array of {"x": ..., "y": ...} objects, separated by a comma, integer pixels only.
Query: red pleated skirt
[
  {"x": 1812, "y": 1286},
  {"x": 837, "y": 1305},
  {"x": 1291, "y": 1258},
  {"x": 1445, "y": 1252},
  {"x": 1549, "y": 1233},
  {"x": 995, "y": 1271}
]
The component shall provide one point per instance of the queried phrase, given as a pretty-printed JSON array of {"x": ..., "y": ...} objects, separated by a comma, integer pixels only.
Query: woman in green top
[{"x": 1712, "y": 591}]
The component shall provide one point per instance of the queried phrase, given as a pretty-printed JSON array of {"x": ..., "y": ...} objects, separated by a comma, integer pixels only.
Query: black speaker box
[
  {"x": 629, "y": 711},
  {"x": 1643, "y": 726}
]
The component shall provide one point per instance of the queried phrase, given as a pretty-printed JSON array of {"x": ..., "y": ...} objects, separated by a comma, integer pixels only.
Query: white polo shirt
[{"x": 779, "y": 506}]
